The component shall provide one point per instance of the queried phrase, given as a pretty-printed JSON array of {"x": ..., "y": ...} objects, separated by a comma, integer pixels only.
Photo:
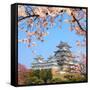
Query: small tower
[{"x": 38, "y": 63}]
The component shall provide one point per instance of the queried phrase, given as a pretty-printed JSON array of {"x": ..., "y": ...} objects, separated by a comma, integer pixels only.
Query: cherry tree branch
[
  {"x": 77, "y": 22},
  {"x": 28, "y": 17}
]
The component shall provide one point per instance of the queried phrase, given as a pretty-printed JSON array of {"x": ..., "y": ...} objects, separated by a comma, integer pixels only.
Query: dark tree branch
[
  {"x": 28, "y": 17},
  {"x": 77, "y": 22}
]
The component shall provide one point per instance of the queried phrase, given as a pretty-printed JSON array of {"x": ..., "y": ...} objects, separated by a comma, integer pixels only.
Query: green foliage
[
  {"x": 56, "y": 80},
  {"x": 45, "y": 76},
  {"x": 35, "y": 80},
  {"x": 49, "y": 74},
  {"x": 36, "y": 73},
  {"x": 39, "y": 81},
  {"x": 39, "y": 76},
  {"x": 75, "y": 77}
]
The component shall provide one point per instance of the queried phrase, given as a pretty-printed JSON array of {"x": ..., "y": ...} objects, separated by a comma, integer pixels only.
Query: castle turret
[{"x": 63, "y": 56}]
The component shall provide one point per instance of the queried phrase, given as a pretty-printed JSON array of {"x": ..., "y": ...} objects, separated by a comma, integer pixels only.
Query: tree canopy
[{"x": 40, "y": 19}]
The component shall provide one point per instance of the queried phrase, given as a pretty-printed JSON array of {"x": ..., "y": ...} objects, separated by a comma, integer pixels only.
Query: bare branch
[
  {"x": 28, "y": 17},
  {"x": 77, "y": 22}
]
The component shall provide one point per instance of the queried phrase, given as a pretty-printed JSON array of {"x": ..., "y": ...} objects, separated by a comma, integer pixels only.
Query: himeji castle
[
  {"x": 40, "y": 63},
  {"x": 62, "y": 60}
]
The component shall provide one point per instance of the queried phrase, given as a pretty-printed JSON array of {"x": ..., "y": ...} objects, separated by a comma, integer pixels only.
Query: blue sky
[{"x": 48, "y": 47}]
